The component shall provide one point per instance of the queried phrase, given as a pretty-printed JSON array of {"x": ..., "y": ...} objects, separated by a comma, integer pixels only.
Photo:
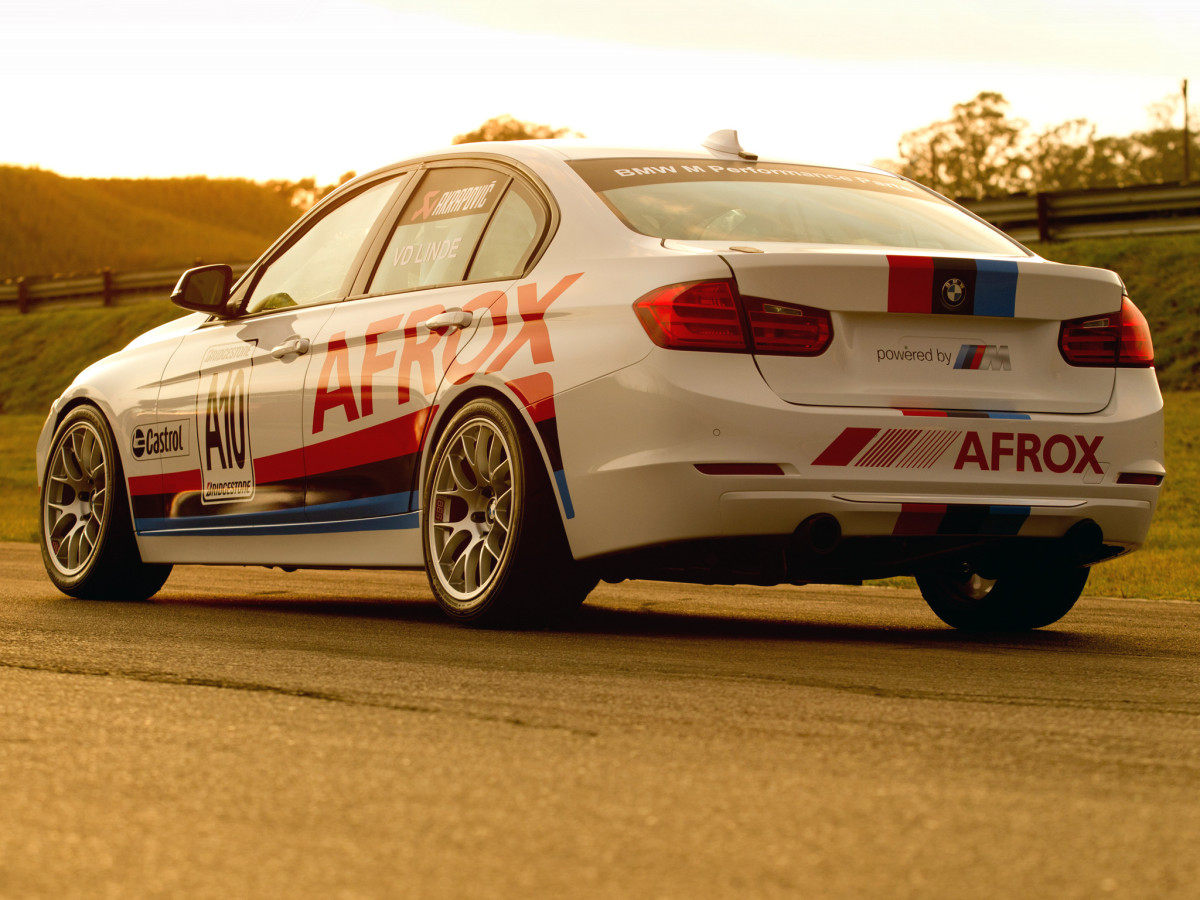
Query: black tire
[
  {"x": 495, "y": 550},
  {"x": 88, "y": 545},
  {"x": 1017, "y": 600}
]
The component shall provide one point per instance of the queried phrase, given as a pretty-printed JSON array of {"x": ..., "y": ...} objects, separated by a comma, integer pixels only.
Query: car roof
[{"x": 532, "y": 152}]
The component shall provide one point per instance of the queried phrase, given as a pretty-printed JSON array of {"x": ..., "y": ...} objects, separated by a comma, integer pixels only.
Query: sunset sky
[{"x": 292, "y": 88}]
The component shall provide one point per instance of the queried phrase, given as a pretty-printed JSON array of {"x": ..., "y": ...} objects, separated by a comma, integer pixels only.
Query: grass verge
[
  {"x": 44, "y": 350},
  {"x": 18, "y": 477}
]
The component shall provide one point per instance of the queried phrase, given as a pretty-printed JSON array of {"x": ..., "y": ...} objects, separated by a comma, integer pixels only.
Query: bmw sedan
[{"x": 529, "y": 366}]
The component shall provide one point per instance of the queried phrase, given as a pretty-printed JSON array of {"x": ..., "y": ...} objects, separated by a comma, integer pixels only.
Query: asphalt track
[{"x": 321, "y": 734}]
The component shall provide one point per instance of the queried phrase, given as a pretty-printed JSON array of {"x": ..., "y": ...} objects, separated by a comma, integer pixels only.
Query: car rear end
[{"x": 882, "y": 384}]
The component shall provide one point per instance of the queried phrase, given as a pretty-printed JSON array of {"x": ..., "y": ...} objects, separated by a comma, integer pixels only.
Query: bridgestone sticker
[{"x": 226, "y": 463}]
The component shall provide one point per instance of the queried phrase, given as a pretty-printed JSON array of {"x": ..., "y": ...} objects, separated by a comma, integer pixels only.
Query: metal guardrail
[
  {"x": 1050, "y": 216},
  {"x": 105, "y": 288},
  {"x": 1063, "y": 215}
]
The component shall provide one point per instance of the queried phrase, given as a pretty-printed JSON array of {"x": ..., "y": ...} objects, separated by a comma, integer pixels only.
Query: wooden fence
[
  {"x": 105, "y": 288},
  {"x": 1066, "y": 215}
]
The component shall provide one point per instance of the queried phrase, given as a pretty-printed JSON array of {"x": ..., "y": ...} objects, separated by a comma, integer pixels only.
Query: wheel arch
[
  {"x": 106, "y": 413},
  {"x": 504, "y": 394},
  {"x": 58, "y": 414}
]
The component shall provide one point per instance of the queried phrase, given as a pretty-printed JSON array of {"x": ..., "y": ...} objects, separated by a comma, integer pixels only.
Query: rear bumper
[{"x": 632, "y": 443}]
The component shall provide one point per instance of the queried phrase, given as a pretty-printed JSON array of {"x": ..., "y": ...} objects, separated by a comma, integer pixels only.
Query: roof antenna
[{"x": 726, "y": 141}]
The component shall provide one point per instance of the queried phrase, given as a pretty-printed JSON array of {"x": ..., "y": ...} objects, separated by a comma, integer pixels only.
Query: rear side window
[
  {"x": 701, "y": 200},
  {"x": 512, "y": 237},
  {"x": 435, "y": 237}
]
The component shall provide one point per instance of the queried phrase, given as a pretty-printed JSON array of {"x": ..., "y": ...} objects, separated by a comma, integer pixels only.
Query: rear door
[{"x": 431, "y": 301}]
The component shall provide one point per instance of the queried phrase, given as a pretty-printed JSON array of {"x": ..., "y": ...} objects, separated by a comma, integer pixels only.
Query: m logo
[{"x": 983, "y": 356}]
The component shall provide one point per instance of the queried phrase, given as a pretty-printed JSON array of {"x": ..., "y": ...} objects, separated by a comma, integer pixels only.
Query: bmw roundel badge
[{"x": 953, "y": 293}]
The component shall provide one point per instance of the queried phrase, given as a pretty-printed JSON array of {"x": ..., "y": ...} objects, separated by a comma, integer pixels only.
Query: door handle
[
  {"x": 451, "y": 318},
  {"x": 293, "y": 346}
]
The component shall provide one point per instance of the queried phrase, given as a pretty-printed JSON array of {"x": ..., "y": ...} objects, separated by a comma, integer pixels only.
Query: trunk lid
[{"x": 916, "y": 331}]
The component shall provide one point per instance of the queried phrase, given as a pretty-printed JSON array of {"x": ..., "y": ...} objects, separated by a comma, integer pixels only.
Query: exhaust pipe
[{"x": 819, "y": 535}]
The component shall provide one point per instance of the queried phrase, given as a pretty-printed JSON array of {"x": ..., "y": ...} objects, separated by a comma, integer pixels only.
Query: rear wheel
[
  {"x": 1016, "y": 600},
  {"x": 495, "y": 550},
  {"x": 88, "y": 546}
]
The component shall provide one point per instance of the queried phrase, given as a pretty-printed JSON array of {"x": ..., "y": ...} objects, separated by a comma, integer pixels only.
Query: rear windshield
[{"x": 698, "y": 200}]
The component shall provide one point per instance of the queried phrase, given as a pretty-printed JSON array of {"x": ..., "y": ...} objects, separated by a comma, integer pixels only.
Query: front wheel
[
  {"x": 88, "y": 546},
  {"x": 1016, "y": 600},
  {"x": 495, "y": 550}
]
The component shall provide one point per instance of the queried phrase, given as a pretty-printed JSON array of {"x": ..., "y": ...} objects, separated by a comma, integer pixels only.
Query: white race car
[{"x": 528, "y": 366}]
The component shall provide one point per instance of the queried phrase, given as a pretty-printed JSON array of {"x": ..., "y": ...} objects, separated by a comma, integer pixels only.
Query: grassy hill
[
  {"x": 1162, "y": 274},
  {"x": 53, "y": 224},
  {"x": 43, "y": 351}
]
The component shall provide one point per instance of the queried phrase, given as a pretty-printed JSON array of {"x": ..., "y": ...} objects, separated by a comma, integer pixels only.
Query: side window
[
  {"x": 438, "y": 229},
  {"x": 314, "y": 267},
  {"x": 511, "y": 238}
]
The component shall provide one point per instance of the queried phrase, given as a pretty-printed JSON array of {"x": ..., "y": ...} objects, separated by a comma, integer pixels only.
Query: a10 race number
[{"x": 227, "y": 463}]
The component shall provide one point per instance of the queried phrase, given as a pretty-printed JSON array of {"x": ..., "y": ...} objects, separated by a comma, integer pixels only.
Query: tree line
[
  {"x": 981, "y": 150},
  {"x": 304, "y": 194}
]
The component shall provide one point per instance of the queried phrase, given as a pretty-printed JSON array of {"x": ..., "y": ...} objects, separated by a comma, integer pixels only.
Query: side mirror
[{"x": 205, "y": 289}]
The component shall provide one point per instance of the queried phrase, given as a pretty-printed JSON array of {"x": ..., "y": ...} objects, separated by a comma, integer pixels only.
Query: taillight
[
  {"x": 709, "y": 315},
  {"x": 698, "y": 316},
  {"x": 1119, "y": 339},
  {"x": 786, "y": 329}
]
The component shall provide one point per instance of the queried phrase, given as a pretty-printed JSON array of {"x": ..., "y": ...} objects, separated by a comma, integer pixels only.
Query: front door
[{"x": 238, "y": 383}]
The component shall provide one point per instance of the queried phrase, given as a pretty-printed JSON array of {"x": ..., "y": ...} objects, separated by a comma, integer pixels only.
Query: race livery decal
[
  {"x": 363, "y": 479},
  {"x": 162, "y": 440},
  {"x": 226, "y": 463},
  {"x": 607, "y": 174},
  {"x": 963, "y": 287},
  {"x": 340, "y": 393},
  {"x": 923, "y": 448},
  {"x": 984, "y": 356},
  {"x": 917, "y": 519},
  {"x": 537, "y": 395},
  {"x": 926, "y": 352},
  {"x": 383, "y": 457}
]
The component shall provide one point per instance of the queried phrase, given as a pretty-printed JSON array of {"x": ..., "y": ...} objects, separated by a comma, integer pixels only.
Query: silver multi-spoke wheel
[
  {"x": 88, "y": 545},
  {"x": 76, "y": 498},
  {"x": 475, "y": 494},
  {"x": 495, "y": 549}
]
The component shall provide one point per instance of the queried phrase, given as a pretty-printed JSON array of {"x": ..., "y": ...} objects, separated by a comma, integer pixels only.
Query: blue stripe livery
[
  {"x": 995, "y": 287},
  {"x": 385, "y": 513}
]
